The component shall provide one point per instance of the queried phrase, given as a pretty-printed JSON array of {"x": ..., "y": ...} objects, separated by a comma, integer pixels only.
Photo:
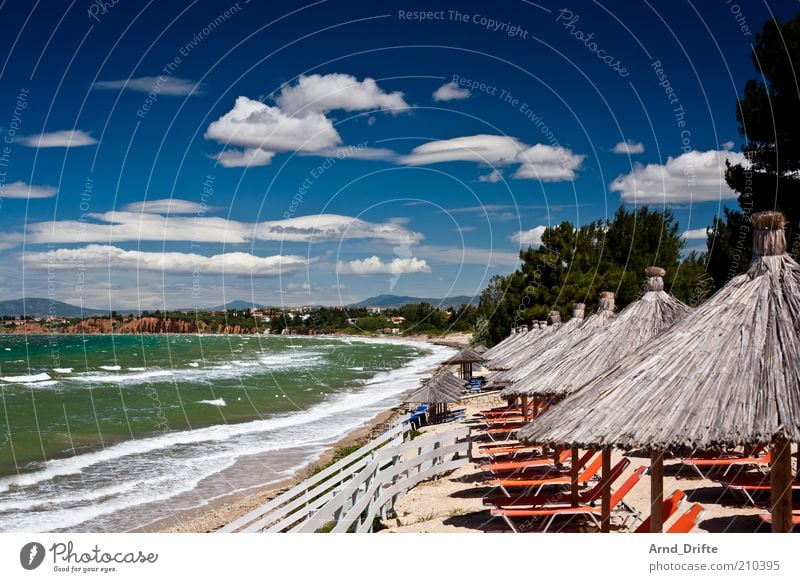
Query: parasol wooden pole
[
  {"x": 780, "y": 476},
  {"x": 525, "y": 408},
  {"x": 656, "y": 492},
  {"x": 605, "y": 523},
  {"x": 573, "y": 492}
]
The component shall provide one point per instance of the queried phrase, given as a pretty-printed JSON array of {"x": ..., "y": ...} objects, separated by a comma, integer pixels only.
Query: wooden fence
[{"x": 350, "y": 494}]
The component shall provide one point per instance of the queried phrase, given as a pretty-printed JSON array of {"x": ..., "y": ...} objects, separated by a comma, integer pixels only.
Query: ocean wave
[
  {"x": 63, "y": 370},
  {"x": 113, "y": 368},
  {"x": 217, "y": 402},
  {"x": 156, "y": 468},
  {"x": 25, "y": 379}
]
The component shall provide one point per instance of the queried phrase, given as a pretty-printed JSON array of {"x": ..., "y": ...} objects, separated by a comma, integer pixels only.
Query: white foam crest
[
  {"x": 63, "y": 370},
  {"x": 113, "y": 368},
  {"x": 22, "y": 379},
  {"x": 217, "y": 402}
]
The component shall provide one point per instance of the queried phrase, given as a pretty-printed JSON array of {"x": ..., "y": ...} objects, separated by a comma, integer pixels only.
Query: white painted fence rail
[{"x": 348, "y": 495}]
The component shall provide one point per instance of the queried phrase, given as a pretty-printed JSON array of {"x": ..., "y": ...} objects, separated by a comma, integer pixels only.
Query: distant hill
[
  {"x": 237, "y": 304},
  {"x": 391, "y": 301},
  {"x": 38, "y": 306}
]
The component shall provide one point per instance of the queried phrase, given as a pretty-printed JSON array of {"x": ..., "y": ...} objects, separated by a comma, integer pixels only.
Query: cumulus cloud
[
  {"x": 548, "y": 164},
  {"x": 323, "y": 93},
  {"x": 495, "y": 150},
  {"x": 135, "y": 226},
  {"x": 539, "y": 162},
  {"x": 244, "y": 158},
  {"x": 164, "y": 85},
  {"x": 375, "y": 266},
  {"x": 69, "y": 138},
  {"x": 691, "y": 177},
  {"x": 93, "y": 257},
  {"x": 728, "y": 146},
  {"x": 450, "y": 92},
  {"x": 22, "y": 190},
  {"x": 532, "y": 237},
  {"x": 253, "y": 124},
  {"x": 628, "y": 147},
  {"x": 493, "y": 176},
  {"x": 165, "y": 206},
  {"x": 695, "y": 233}
]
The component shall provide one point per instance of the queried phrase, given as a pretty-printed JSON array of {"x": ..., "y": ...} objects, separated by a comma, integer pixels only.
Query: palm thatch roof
[
  {"x": 633, "y": 327},
  {"x": 537, "y": 345},
  {"x": 555, "y": 352},
  {"x": 513, "y": 337},
  {"x": 465, "y": 356},
  {"x": 727, "y": 374},
  {"x": 441, "y": 388},
  {"x": 481, "y": 349},
  {"x": 539, "y": 329}
]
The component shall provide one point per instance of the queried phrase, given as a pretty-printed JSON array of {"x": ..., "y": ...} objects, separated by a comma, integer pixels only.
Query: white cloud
[
  {"x": 539, "y": 162},
  {"x": 493, "y": 176},
  {"x": 691, "y": 177},
  {"x": 323, "y": 93},
  {"x": 548, "y": 164},
  {"x": 69, "y": 138},
  {"x": 250, "y": 157},
  {"x": 451, "y": 91},
  {"x": 494, "y": 150},
  {"x": 135, "y": 226},
  {"x": 166, "y": 206},
  {"x": 628, "y": 147},
  {"x": 695, "y": 233},
  {"x": 104, "y": 256},
  {"x": 22, "y": 190},
  {"x": 163, "y": 85},
  {"x": 532, "y": 237},
  {"x": 375, "y": 266},
  {"x": 728, "y": 146},
  {"x": 253, "y": 124}
]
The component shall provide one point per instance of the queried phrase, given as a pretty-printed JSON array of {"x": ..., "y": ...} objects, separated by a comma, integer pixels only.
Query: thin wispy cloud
[
  {"x": 26, "y": 191},
  {"x": 69, "y": 138},
  {"x": 162, "y": 85}
]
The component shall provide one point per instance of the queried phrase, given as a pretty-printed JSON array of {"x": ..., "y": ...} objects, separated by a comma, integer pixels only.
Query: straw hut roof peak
[
  {"x": 467, "y": 355},
  {"x": 441, "y": 388},
  {"x": 728, "y": 374}
]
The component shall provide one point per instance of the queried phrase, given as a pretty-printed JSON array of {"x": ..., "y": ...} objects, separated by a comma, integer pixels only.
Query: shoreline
[{"x": 219, "y": 512}]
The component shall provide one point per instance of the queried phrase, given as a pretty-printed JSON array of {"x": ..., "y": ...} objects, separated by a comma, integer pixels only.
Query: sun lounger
[
  {"x": 767, "y": 518},
  {"x": 724, "y": 462},
  {"x": 687, "y": 522},
  {"x": 559, "y": 498},
  {"x": 529, "y": 463},
  {"x": 550, "y": 513},
  {"x": 750, "y": 483},
  {"x": 668, "y": 508}
]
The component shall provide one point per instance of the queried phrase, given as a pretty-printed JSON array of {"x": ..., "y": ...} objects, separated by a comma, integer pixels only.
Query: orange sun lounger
[
  {"x": 750, "y": 483},
  {"x": 724, "y": 462},
  {"x": 688, "y": 521},
  {"x": 559, "y": 498},
  {"x": 524, "y": 464},
  {"x": 668, "y": 508},
  {"x": 551, "y": 513}
]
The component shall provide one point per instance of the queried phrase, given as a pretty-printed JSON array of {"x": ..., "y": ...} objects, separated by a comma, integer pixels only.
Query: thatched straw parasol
[
  {"x": 604, "y": 315},
  {"x": 539, "y": 331},
  {"x": 441, "y": 388},
  {"x": 481, "y": 349},
  {"x": 726, "y": 375},
  {"x": 513, "y": 337},
  {"x": 634, "y": 326},
  {"x": 465, "y": 358},
  {"x": 537, "y": 343}
]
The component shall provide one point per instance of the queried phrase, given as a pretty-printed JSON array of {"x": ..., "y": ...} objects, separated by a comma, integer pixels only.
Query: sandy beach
[
  {"x": 453, "y": 503},
  {"x": 213, "y": 515}
]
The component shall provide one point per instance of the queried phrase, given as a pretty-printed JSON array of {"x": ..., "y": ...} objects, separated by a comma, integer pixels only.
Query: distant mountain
[
  {"x": 40, "y": 307},
  {"x": 237, "y": 304},
  {"x": 391, "y": 301}
]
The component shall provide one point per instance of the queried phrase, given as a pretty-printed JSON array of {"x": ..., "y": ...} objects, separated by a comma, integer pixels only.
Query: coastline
[{"x": 219, "y": 512}]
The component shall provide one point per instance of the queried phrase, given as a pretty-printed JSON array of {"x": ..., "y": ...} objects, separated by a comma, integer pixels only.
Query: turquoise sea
[{"x": 111, "y": 433}]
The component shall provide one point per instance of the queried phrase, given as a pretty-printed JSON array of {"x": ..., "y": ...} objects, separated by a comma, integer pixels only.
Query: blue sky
[{"x": 166, "y": 155}]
